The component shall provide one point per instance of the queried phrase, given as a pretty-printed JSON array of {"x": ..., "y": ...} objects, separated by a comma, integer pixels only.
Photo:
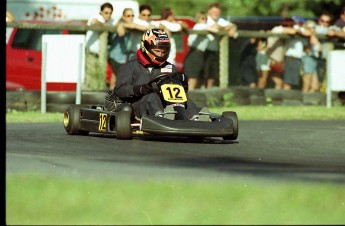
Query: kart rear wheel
[
  {"x": 233, "y": 116},
  {"x": 71, "y": 120},
  {"x": 123, "y": 125}
]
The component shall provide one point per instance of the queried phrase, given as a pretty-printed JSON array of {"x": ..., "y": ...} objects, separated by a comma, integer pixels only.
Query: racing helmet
[{"x": 155, "y": 38}]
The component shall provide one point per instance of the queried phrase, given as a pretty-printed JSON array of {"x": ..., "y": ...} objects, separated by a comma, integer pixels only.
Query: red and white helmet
[{"x": 155, "y": 38}]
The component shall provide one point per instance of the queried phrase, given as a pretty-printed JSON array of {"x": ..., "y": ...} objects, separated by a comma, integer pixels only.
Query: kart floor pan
[{"x": 157, "y": 125}]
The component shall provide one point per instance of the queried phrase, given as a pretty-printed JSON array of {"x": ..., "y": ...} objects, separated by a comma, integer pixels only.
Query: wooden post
[
  {"x": 103, "y": 53},
  {"x": 223, "y": 62}
]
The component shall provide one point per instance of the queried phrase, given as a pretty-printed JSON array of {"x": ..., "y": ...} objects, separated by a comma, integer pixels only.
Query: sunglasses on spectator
[
  {"x": 145, "y": 14},
  {"x": 324, "y": 21},
  {"x": 129, "y": 15}
]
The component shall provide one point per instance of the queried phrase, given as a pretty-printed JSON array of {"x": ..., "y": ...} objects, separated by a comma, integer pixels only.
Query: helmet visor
[{"x": 160, "y": 49}]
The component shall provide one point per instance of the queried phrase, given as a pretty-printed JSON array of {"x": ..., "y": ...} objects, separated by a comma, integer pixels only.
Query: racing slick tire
[
  {"x": 123, "y": 125},
  {"x": 71, "y": 120},
  {"x": 233, "y": 116}
]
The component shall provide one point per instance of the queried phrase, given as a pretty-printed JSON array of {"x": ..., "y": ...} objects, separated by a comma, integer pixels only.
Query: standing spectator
[
  {"x": 276, "y": 48},
  {"x": 312, "y": 48},
  {"x": 262, "y": 62},
  {"x": 94, "y": 80},
  {"x": 211, "y": 61},
  {"x": 293, "y": 54},
  {"x": 248, "y": 63},
  {"x": 169, "y": 24},
  {"x": 338, "y": 30},
  {"x": 193, "y": 62},
  {"x": 323, "y": 27},
  {"x": 337, "y": 34},
  {"x": 144, "y": 19},
  {"x": 340, "y": 22},
  {"x": 120, "y": 42}
]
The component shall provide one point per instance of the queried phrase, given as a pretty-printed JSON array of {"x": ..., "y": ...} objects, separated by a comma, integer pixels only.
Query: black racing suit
[{"x": 134, "y": 73}]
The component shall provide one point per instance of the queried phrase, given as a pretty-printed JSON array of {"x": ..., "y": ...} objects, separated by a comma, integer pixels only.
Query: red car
[{"x": 24, "y": 58}]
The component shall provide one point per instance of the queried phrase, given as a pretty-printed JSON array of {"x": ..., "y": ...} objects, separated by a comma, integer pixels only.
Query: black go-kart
[{"x": 117, "y": 117}]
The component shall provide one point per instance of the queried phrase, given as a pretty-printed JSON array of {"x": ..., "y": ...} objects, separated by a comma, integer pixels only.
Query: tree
[{"x": 306, "y": 8}]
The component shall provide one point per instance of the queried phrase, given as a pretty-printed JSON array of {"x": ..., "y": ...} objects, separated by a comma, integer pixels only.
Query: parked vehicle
[{"x": 24, "y": 58}]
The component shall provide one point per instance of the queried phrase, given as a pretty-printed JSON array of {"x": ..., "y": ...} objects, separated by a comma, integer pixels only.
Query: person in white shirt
[
  {"x": 102, "y": 18},
  {"x": 294, "y": 53},
  {"x": 324, "y": 27},
  {"x": 94, "y": 80},
  {"x": 211, "y": 60},
  {"x": 310, "y": 81},
  {"x": 144, "y": 19},
  {"x": 170, "y": 25},
  {"x": 193, "y": 63}
]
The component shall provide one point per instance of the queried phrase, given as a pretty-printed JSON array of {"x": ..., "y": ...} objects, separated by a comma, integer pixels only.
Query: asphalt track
[{"x": 279, "y": 150}]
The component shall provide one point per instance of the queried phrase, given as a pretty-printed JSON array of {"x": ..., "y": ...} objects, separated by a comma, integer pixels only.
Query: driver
[{"x": 132, "y": 84}]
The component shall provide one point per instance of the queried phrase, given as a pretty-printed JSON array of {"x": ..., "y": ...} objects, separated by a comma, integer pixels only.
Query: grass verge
[
  {"x": 243, "y": 112},
  {"x": 43, "y": 200}
]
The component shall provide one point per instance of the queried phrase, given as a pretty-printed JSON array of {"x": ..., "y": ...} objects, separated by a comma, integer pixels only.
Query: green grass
[
  {"x": 243, "y": 112},
  {"x": 42, "y": 200},
  {"x": 38, "y": 199}
]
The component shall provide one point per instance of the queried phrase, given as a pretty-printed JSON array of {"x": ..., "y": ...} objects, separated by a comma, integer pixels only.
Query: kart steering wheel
[{"x": 159, "y": 77}]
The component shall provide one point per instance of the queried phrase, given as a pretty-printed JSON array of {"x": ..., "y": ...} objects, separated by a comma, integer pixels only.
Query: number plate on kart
[{"x": 173, "y": 93}]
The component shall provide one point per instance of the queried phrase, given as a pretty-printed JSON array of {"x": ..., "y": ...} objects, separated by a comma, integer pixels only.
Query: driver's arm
[{"x": 124, "y": 82}]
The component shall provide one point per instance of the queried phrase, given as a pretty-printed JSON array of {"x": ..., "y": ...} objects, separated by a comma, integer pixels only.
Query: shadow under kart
[{"x": 82, "y": 119}]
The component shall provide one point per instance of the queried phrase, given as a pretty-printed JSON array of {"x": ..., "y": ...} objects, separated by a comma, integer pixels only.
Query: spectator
[
  {"x": 94, "y": 80},
  {"x": 197, "y": 45},
  {"x": 337, "y": 34},
  {"x": 276, "y": 48},
  {"x": 262, "y": 62},
  {"x": 144, "y": 19},
  {"x": 169, "y": 24},
  {"x": 310, "y": 79},
  {"x": 293, "y": 54},
  {"x": 340, "y": 22},
  {"x": 248, "y": 63},
  {"x": 133, "y": 77},
  {"x": 323, "y": 27},
  {"x": 211, "y": 61},
  {"x": 120, "y": 42}
]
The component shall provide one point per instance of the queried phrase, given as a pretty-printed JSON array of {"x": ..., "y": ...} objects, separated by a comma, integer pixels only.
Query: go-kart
[{"x": 118, "y": 118}]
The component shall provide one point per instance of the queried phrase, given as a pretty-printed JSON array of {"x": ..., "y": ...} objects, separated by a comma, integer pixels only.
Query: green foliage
[
  {"x": 212, "y": 102},
  {"x": 306, "y": 8},
  {"x": 228, "y": 102}
]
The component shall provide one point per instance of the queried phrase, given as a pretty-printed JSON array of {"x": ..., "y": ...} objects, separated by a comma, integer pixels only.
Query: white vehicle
[{"x": 65, "y": 9}]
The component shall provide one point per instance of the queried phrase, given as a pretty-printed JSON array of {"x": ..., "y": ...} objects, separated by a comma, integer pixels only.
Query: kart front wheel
[
  {"x": 123, "y": 125},
  {"x": 233, "y": 116},
  {"x": 71, "y": 120}
]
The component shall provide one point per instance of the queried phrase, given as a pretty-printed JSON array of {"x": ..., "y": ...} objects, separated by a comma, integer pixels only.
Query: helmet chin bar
[{"x": 156, "y": 60}]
